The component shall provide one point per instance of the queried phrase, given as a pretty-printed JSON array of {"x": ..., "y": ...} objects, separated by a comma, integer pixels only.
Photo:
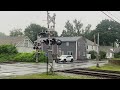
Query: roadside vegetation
[
  {"x": 55, "y": 76},
  {"x": 9, "y": 53},
  {"x": 111, "y": 67}
]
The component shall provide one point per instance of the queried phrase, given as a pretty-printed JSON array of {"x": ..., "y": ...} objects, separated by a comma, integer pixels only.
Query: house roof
[
  {"x": 10, "y": 40},
  {"x": 66, "y": 38},
  {"x": 106, "y": 48},
  {"x": 89, "y": 42}
]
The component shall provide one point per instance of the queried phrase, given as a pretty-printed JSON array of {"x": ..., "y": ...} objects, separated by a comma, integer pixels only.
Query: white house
[
  {"x": 22, "y": 43},
  {"x": 90, "y": 46}
]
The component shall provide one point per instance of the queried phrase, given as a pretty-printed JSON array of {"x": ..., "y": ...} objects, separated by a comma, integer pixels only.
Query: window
[
  {"x": 26, "y": 43},
  {"x": 87, "y": 47},
  {"x": 67, "y": 43},
  {"x": 69, "y": 53}
]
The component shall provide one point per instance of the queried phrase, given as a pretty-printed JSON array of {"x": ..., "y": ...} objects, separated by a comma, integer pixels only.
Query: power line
[
  {"x": 113, "y": 16},
  {"x": 109, "y": 16}
]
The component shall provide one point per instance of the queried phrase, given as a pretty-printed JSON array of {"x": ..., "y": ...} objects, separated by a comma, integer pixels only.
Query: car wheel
[
  {"x": 71, "y": 60},
  {"x": 64, "y": 60}
]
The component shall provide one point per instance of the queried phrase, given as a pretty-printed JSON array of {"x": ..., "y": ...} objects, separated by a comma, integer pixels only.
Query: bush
[
  {"x": 93, "y": 54},
  {"x": 8, "y": 49},
  {"x": 6, "y": 57},
  {"x": 117, "y": 55},
  {"x": 29, "y": 57},
  {"x": 102, "y": 54},
  {"x": 22, "y": 57}
]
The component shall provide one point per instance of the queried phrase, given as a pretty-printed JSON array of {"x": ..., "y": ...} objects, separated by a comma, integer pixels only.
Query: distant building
[
  {"x": 76, "y": 46},
  {"x": 22, "y": 43}
]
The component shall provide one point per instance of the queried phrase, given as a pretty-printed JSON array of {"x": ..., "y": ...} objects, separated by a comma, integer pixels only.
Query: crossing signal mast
[{"x": 49, "y": 41}]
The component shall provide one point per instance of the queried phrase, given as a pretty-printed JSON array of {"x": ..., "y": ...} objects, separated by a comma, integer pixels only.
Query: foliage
[
  {"x": 2, "y": 34},
  {"x": 117, "y": 55},
  {"x": 93, "y": 54},
  {"x": 29, "y": 57},
  {"x": 75, "y": 29},
  {"x": 108, "y": 30},
  {"x": 6, "y": 57},
  {"x": 8, "y": 49},
  {"x": 55, "y": 76},
  {"x": 16, "y": 32},
  {"x": 33, "y": 30},
  {"x": 107, "y": 67},
  {"x": 102, "y": 54}
]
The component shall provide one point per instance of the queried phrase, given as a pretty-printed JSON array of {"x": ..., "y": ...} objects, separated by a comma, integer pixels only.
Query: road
[{"x": 7, "y": 70}]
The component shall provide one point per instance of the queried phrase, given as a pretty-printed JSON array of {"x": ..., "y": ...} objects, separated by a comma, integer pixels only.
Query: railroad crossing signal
[{"x": 51, "y": 19}]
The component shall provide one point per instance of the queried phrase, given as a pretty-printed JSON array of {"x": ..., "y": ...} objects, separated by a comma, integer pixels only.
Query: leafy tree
[
  {"x": 2, "y": 34},
  {"x": 33, "y": 30},
  {"x": 69, "y": 28},
  {"x": 108, "y": 30},
  {"x": 78, "y": 26},
  {"x": 64, "y": 33},
  {"x": 16, "y": 32}
]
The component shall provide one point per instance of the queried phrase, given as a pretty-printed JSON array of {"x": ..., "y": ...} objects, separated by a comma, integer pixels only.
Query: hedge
[
  {"x": 8, "y": 49},
  {"x": 22, "y": 57},
  {"x": 29, "y": 57}
]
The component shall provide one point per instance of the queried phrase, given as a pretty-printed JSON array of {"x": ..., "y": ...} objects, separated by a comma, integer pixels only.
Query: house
[
  {"x": 91, "y": 46},
  {"x": 76, "y": 46},
  {"x": 22, "y": 43},
  {"x": 108, "y": 50}
]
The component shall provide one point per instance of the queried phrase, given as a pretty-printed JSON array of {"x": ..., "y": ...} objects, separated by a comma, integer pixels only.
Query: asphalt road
[{"x": 7, "y": 70}]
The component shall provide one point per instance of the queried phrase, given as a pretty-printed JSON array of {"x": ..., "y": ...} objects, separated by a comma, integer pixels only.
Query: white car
[{"x": 65, "y": 58}]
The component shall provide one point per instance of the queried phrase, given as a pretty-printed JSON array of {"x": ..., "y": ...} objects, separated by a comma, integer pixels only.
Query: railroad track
[{"x": 93, "y": 72}]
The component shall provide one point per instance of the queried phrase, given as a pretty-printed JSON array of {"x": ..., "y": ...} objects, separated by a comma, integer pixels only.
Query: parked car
[{"x": 65, "y": 58}]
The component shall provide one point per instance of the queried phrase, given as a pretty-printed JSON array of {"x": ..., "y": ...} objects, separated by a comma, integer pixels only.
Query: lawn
[
  {"x": 107, "y": 67},
  {"x": 55, "y": 76}
]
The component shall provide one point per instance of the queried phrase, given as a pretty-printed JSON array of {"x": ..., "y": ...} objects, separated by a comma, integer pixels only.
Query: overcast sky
[{"x": 21, "y": 19}]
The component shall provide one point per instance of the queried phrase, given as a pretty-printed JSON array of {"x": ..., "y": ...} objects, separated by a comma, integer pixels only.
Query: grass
[
  {"x": 55, "y": 76},
  {"x": 107, "y": 67}
]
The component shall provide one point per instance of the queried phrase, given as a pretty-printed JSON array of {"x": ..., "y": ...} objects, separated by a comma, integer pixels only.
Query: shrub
[
  {"x": 117, "y": 55},
  {"x": 102, "y": 54},
  {"x": 93, "y": 54},
  {"x": 8, "y": 49},
  {"x": 29, "y": 57},
  {"x": 6, "y": 57}
]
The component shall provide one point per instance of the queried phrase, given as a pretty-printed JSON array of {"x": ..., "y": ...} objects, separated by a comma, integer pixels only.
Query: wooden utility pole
[{"x": 97, "y": 65}]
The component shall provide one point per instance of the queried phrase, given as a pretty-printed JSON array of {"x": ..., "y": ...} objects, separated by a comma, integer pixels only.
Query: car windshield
[{"x": 64, "y": 56}]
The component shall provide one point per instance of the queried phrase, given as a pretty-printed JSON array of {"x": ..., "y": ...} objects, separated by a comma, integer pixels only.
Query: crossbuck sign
[{"x": 51, "y": 19}]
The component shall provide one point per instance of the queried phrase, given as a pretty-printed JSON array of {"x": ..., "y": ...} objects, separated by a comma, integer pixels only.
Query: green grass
[
  {"x": 55, "y": 76},
  {"x": 115, "y": 58},
  {"x": 107, "y": 67}
]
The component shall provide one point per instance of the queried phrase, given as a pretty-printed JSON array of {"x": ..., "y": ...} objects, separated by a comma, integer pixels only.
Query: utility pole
[
  {"x": 98, "y": 51},
  {"x": 49, "y": 41}
]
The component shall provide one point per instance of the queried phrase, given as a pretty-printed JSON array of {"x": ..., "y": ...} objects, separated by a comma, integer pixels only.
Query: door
[{"x": 68, "y": 58}]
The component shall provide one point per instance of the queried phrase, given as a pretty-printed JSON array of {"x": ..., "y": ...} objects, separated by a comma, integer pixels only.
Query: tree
[
  {"x": 108, "y": 30},
  {"x": 16, "y": 32},
  {"x": 69, "y": 28},
  {"x": 64, "y": 33},
  {"x": 2, "y": 34},
  {"x": 33, "y": 30},
  {"x": 87, "y": 28},
  {"x": 78, "y": 26}
]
